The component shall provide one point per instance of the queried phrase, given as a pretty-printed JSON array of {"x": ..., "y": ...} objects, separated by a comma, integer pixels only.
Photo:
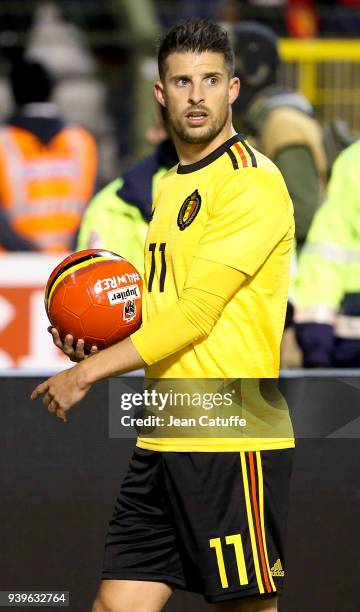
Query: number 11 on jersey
[{"x": 153, "y": 249}]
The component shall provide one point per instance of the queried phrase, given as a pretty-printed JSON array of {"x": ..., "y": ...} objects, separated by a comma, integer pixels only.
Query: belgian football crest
[{"x": 189, "y": 210}]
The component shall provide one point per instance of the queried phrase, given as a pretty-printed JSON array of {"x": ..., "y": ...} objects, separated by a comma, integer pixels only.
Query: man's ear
[
  {"x": 159, "y": 93},
  {"x": 234, "y": 89}
]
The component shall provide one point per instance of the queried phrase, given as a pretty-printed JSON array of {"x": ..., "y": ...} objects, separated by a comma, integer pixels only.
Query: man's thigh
[
  {"x": 131, "y": 596},
  {"x": 249, "y": 604}
]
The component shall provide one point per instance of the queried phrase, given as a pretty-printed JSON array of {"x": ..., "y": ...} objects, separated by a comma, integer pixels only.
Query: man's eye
[
  {"x": 182, "y": 82},
  {"x": 212, "y": 80}
]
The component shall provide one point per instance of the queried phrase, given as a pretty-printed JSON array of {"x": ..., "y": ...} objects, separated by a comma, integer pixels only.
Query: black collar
[{"x": 211, "y": 157}]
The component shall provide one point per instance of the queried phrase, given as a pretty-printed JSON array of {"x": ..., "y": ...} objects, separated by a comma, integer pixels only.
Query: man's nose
[{"x": 196, "y": 94}]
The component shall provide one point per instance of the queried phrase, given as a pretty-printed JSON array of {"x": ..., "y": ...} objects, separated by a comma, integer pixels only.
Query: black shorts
[{"x": 211, "y": 523}]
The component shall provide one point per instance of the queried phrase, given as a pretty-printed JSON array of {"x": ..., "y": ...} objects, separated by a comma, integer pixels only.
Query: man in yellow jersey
[{"x": 206, "y": 515}]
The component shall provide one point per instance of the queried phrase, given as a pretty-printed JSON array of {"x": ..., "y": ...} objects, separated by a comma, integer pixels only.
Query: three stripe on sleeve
[{"x": 242, "y": 155}]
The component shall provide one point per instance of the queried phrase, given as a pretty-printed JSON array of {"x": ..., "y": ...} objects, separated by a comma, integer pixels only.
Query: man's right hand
[{"x": 75, "y": 354}]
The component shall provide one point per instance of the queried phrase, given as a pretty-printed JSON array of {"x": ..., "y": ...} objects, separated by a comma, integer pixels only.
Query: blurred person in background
[
  {"x": 327, "y": 291},
  {"x": 117, "y": 218},
  {"x": 10, "y": 239},
  {"x": 301, "y": 18},
  {"x": 47, "y": 168},
  {"x": 281, "y": 124}
]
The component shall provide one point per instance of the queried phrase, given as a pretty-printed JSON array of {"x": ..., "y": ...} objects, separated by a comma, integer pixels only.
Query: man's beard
[{"x": 198, "y": 135}]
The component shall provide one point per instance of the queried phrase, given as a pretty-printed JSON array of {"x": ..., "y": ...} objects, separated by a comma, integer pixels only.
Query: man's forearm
[
  {"x": 117, "y": 359},
  {"x": 180, "y": 325},
  {"x": 193, "y": 316}
]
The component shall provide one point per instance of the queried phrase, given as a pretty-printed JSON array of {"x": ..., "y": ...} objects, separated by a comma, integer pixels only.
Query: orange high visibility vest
[{"x": 44, "y": 188}]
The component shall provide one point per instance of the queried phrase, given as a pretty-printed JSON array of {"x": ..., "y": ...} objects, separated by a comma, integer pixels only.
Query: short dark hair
[
  {"x": 196, "y": 36},
  {"x": 30, "y": 82}
]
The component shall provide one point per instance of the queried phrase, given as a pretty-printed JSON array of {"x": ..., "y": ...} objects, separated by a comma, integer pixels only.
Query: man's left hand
[{"x": 62, "y": 391}]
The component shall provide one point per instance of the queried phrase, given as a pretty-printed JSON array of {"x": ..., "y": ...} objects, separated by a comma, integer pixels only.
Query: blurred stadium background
[
  {"x": 102, "y": 54},
  {"x": 58, "y": 487}
]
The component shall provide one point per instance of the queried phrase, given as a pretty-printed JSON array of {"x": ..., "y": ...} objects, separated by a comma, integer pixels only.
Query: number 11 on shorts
[{"x": 235, "y": 541}]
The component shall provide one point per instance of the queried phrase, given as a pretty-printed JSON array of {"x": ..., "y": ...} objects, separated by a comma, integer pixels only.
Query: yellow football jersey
[{"x": 233, "y": 208}]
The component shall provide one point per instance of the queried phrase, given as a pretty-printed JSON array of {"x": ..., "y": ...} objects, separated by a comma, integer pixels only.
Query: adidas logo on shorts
[{"x": 277, "y": 569}]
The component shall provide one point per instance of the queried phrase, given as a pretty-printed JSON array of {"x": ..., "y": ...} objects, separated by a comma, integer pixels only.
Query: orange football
[{"x": 94, "y": 295}]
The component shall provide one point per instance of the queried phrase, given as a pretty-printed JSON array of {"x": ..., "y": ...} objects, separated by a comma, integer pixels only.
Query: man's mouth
[{"x": 196, "y": 117}]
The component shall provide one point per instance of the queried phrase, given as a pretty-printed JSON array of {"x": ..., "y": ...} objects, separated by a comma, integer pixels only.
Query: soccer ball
[{"x": 94, "y": 295}]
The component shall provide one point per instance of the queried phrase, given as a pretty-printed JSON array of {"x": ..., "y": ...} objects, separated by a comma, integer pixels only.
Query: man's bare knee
[
  {"x": 131, "y": 596},
  {"x": 100, "y": 606},
  {"x": 103, "y": 603},
  {"x": 249, "y": 604}
]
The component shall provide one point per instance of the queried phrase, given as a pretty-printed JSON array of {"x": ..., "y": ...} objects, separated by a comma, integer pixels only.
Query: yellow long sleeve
[{"x": 208, "y": 288}]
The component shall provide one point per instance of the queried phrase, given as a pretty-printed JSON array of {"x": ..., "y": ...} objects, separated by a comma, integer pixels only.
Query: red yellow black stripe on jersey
[
  {"x": 237, "y": 149},
  {"x": 251, "y": 466},
  {"x": 241, "y": 155}
]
